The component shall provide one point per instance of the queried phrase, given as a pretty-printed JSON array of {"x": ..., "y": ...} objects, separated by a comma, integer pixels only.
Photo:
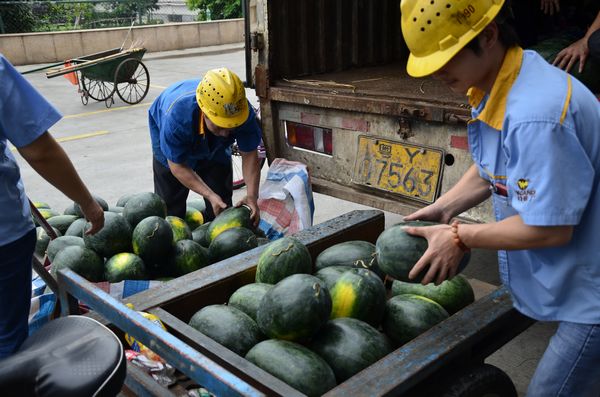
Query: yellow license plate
[{"x": 408, "y": 170}]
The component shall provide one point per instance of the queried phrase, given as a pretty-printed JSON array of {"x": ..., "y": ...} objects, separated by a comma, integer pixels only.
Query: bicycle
[
  {"x": 236, "y": 158},
  {"x": 236, "y": 163}
]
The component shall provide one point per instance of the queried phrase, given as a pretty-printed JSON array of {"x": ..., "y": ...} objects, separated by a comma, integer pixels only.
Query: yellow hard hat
[
  {"x": 436, "y": 30},
  {"x": 222, "y": 98}
]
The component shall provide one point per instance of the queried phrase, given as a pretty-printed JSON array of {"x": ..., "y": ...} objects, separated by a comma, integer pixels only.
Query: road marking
[
  {"x": 72, "y": 116},
  {"x": 160, "y": 87},
  {"x": 82, "y": 136},
  {"x": 74, "y": 137}
]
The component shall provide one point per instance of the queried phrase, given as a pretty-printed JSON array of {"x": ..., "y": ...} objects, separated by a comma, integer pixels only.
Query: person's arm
[
  {"x": 192, "y": 181},
  {"x": 443, "y": 255},
  {"x": 251, "y": 172},
  {"x": 469, "y": 191},
  {"x": 578, "y": 51},
  {"x": 49, "y": 160}
]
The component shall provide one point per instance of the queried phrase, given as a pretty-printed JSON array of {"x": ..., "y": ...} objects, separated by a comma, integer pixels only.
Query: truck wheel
[{"x": 483, "y": 380}]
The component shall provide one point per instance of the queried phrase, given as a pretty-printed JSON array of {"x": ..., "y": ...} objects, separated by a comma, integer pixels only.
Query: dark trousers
[
  {"x": 217, "y": 176},
  {"x": 15, "y": 292},
  {"x": 594, "y": 45}
]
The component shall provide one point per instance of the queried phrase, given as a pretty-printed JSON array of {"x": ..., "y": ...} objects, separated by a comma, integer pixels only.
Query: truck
[{"x": 334, "y": 94}]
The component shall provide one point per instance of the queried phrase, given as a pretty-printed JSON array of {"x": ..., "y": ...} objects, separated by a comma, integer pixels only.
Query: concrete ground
[{"x": 111, "y": 151}]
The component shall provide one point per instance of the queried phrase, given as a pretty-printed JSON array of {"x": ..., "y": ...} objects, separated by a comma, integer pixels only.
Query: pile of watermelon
[
  {"x": 140, "y": 242},
  {"x": 314, "y": 325}
]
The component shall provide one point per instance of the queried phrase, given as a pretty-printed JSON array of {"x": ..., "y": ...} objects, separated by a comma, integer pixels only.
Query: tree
[
  {"x": 133, "y": 8},
  {"x": 216, "y": 9},
  {"x": 16, "y": 18}
]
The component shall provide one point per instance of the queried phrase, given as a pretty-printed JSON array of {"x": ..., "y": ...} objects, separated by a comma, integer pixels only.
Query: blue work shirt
[
  {"x": 24, "y": 116},
  {"x": 174, "y": 120},
  {"x": 536, "y": 138}
]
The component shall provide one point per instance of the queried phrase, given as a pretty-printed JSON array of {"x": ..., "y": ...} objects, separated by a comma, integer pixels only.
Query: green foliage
[
  {"x": 16, "y": 18},
  {"x": 216, "y": 9},
  {"x": 133, "y": 8}
]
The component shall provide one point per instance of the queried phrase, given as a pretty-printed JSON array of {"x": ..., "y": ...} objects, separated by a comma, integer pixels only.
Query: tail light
[{"x": 308, "y": 137}]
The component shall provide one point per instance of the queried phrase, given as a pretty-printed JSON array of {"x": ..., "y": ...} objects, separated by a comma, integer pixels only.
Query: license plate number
[{"x": 408, "y": 170}]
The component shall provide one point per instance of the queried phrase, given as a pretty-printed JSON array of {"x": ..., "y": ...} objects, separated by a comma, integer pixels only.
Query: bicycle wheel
[
  {"x": 236, "y": 164},
  {"x": 132, "y": 81},
  {"x": 97, "y": 89}
]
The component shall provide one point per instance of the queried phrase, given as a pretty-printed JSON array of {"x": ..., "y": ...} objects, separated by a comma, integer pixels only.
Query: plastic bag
[{"x": 285, "y": 199}]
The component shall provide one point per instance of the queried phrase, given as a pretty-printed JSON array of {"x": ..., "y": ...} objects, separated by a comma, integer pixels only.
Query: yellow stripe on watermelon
[
  {"x": 222, "y": 227},
  {"x": 343, "y": 297}
]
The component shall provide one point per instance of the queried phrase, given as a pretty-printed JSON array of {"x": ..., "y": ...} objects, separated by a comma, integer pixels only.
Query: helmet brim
[{"x": 231, "y": 122}]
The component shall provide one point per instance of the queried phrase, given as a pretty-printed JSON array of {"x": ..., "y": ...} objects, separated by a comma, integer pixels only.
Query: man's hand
[
  {"x": 94, "y": 214},
  {"x": 217, "y": 204},
  {"x": 550, "y": 7},
  {"x": 578, "y": 51},
  {"x": 254, "y": 210},
  {"x": 433, "y": 213},
  {"x": 442, "y": 257}
]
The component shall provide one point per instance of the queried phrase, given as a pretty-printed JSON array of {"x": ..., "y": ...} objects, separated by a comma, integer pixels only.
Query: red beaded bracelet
[{"x": 457, "y": 239}]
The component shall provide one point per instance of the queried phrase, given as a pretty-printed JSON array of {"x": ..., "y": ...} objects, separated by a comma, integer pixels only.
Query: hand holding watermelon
[
  {"x": 433, "y": 212},
  {"x": 251, "y": 202},
  {"x": 442, "y": 257}
]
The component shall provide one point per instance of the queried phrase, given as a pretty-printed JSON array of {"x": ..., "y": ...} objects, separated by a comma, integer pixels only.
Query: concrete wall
[{"x": 31, "y": 48}]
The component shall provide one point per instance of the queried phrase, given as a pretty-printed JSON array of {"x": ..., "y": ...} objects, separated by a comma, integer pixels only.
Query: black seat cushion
[{"x": 69, "y": 356}]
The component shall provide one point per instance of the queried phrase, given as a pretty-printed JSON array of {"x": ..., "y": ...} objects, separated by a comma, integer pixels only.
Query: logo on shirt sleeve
[{"x": 524, "y": 192}]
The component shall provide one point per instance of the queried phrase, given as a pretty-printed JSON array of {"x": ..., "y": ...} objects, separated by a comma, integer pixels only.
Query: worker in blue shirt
[
  {"x": 535, "y": 141},
  {"x": 25, "y": 117},
  {"x": 193, "y": 124}
]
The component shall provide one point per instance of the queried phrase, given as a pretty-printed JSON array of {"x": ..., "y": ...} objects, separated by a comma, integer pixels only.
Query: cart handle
[{"x": 46, "y": 67}]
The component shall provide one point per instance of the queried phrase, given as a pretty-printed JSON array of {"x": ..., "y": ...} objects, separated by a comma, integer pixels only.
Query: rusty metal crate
[{"x": 468, "y": 336}]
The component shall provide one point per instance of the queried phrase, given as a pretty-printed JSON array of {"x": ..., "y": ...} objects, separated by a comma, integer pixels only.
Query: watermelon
[
  {"x": 70, "y": 210},
  {"x": 181, "y": 230},
  {"x": 358, "y": 293},
  {"x": 248, "y": 297},
  {"x": 295, "y": 365},
  {"x": 198, "y": 204},
  {"x": 282, "y": 258},
  {"x": 152, "y": 241},
  {"x": 46, "y": 213},
  {"x": 82, "y": 261},
  {"x": 193, "y": 217},
  {"x": 452, "y": 295},
  {"x": 124, "y": 199},
  {"x": 188, "y": 256},
  {"x": 262, "y": 241},
  {"x": 231, "y": 217},
  {"x": 76, "y": 228},
  {"x": 62, "y": 222},
  {"x": 408, "y": 316},
  {"x": 41, "y": 204},
  {"x": 113, "y": 238},
  {"x": 200, "y": 235},
  {"x": 331, "y": 274},
  {"x": 125, "y": 266},
  {"x": 99, "y": 200},
  {"x": 42, "y": 240},
  {"x": 143, "y": 205},
  {"x": 350, "y": 253},
  {"x": 349, "y": 345},
  {"x": 116, "y": 210},
  {"x": 397, "y": 251},
  {"x": 61, "y": 242},
  {"x": 228, "y": 326},
  {"x": 295, "y": 308},
  {"x": 231, "y": 242}
]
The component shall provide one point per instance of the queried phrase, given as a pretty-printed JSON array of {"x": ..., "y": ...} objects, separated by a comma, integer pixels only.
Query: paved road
[{"x": 111, "y": 151}]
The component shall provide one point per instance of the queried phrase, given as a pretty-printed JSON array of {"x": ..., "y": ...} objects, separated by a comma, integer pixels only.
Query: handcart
[{"x": 100, "y": 75}]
